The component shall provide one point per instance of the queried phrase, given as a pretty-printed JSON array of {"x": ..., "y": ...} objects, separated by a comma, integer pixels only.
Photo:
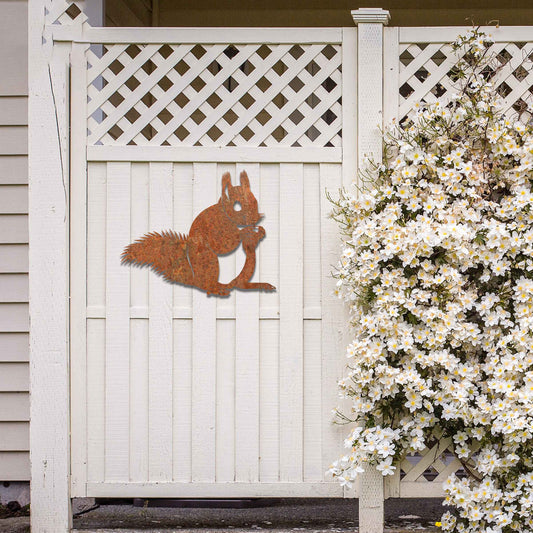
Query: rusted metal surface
[{"x": 218, "y": 230}]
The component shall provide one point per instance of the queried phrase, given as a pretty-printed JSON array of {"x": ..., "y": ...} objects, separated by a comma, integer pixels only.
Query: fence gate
[{"x": 176, "y": 394}]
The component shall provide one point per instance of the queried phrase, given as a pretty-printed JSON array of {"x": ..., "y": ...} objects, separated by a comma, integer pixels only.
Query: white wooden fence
[{"x": 175, "y": 394}]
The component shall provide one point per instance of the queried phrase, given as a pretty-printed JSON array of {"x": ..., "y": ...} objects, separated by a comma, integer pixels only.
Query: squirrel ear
[
  {"x": 245, "y": 182},
  {"x": 226, "y": 184}
]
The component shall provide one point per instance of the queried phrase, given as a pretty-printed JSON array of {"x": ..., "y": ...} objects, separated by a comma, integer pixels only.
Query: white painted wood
[
  {"x": 182, "y": 401},
  {"x": 13, "y": 199},
  {"x": 13, "y": 170},
  {"x": 334, "y": 323},
  {"x": 143, "y": 452},
  {"x": 117, "y": 324},
  {"x": 78, "y": 272},
  {"x": 222, "y": 312},
  {"x": 247, "y": 364},
  {"x": 183, "y": 217},
  {"x": 291, "y": 323},
  {"x": 391, "y": 64},
  {"x": 444, "y": 34},
  {"x": 269, "y": 407},
  {"x": 14, "y": 287},
  {"x": 209, "y": 154},
  {"x": 349, "y": 106},
  {"x": 312, "y": 357},
  {"x": 214, "y": 490},
  {"x": 199, "y": 35},
  {"x": 96, "y": 329},
  {"x": 14, "y": 436},
  {"x": 205, "y": 193},
  {"x": 139, "y": 331},
  {"x": 96, "y": 410},
  {"x": 14, "y": 110},
  {"x": 14, "y": 377},
  {"x": 14, "y": 347},
  {"x": 226, "y": 403},
  {"x": 14, "y": 46},
  {"x": 370, "y": 122},
  {"x": 15, "y": 466},
  {"x": 48, "y": 260},
  {"x": 14, "y": 317},
  {"x": 14, "y": 406},
  {"x": 160, "y": 335},
  {"x": 13, "y": 229}
]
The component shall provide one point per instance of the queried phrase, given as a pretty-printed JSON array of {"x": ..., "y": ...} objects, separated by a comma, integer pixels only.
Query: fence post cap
[{"x": 371, "y": 14}]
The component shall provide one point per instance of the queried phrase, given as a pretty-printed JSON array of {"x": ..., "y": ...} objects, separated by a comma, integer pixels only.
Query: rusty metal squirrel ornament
[{"x": 218, "y": 230}]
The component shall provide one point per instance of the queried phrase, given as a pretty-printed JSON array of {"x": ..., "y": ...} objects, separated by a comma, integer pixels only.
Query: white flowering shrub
[{"x": 437, "y": 268}]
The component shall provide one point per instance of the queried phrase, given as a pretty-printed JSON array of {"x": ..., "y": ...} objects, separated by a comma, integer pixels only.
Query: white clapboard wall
[{"x": 176, "y": 394}]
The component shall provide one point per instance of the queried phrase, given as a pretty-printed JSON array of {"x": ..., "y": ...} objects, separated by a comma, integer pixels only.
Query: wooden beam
[{"x": 48, "y": 230}]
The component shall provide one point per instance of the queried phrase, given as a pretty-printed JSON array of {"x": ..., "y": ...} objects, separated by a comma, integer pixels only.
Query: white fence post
[
  {"x": 370, "y": 22},
  {"x": 49, "y": 309}
]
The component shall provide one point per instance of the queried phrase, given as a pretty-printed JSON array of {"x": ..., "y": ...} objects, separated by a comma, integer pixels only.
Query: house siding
[{"x": 14, "y": 318}]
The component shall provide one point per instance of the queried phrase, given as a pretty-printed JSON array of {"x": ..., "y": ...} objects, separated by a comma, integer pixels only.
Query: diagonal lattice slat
[{"x": 215, "y": 95}]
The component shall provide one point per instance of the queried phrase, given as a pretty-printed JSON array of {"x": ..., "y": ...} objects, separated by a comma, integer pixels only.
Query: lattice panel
[
  {"x": 426, "y": 74},
  {"x": 215, "y": 95},
  {"x": 64, "y": 13},
  {"x": 433, "y": 464}
]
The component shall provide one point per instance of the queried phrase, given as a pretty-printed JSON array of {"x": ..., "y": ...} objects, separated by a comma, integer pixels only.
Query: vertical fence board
[
  {"x": 247, "y": 366},
  {"x": 204, "y": 342},
  {"x": 269, "y": 427},
  {"x": 225, "y": 402},
  {"x": 117, "y": 323},
  {"x": 96, "y": 400},
  {"x": 269, "y": 247},
  {"x": 96, "y": 296},
  {"x": 160, "y": 331},
  {"x": 269, "y": 329},
  {"x": 182, "y": 384},
  {"x": 291, "y": 321},
  {"x": 139, "y": 330},
  {"x": 231, "y": 263},
  {"x": 182, "y": 452},
  {"x": 183, "y": 182},
  {"x": 312, "y": 364},
  {"x": 333, "y": 318}
]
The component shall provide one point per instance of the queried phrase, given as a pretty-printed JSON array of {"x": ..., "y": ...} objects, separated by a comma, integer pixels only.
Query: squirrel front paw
[{"x": 250, "y": 236}]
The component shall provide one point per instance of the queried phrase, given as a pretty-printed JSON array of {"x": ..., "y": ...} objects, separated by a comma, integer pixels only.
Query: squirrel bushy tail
[{"x": 165, "y": 252}]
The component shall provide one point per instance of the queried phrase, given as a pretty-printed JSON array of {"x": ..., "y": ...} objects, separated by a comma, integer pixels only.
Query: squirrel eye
[{"x": 237, "y": 206}]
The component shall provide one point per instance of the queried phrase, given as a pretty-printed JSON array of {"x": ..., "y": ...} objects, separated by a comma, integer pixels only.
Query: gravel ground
[{"x": 282, "y": 516}]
